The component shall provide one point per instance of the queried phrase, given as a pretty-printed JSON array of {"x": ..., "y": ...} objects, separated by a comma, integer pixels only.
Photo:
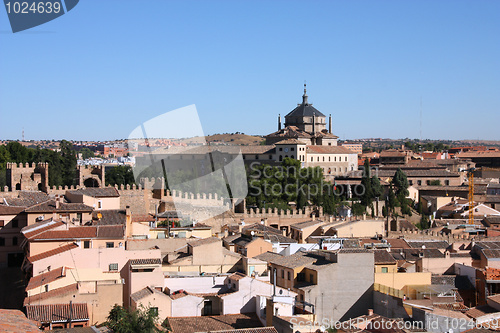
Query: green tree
[
  {"x": 400, "y": 183},
  {"x": 86, "y": 153},
  {"x": 119, "y": 175},
  {"x": 68, "y": 162},
  {"x": 366, "y": 182},
  {"x": 142, "y": 320}
]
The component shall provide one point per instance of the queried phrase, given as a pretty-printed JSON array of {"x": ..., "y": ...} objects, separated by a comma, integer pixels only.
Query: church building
[{"x": 304, "y": 137}]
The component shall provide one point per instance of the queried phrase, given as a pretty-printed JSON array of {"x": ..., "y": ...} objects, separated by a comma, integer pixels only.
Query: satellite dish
[
  {"x": 252, "y": 233},
  {"x": 423, "y": 247},
  {"x": 242, "y": 222}
]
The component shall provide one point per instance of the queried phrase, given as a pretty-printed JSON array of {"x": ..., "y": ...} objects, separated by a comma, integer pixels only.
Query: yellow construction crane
[{"x": 470, "y": 176}]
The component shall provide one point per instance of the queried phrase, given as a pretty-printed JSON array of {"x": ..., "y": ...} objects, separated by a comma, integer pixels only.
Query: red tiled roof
[
  {"x": 71, "y": 233},
  {"x": 143, "y": 218},
  {"x": 29, "y": 233},
  {"x": 149, "y": 261},
  {"x": 47, "y": 277},
  {"x": 14, "y": 321},
  {"x": 110, "y": 231},
  {"x": 52, "y": 252},
  {"x": 10, "y": 210},
  {"x": 213, "y": 323},
  {"x": 50, "y": 206},
  {"x": 328, "y": 150},
  {"x": 71, "y": 289},
  {"x": 54, "y": 313}
]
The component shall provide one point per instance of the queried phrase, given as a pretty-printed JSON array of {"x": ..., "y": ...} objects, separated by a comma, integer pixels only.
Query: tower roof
[{"x": 305, "y": 109}]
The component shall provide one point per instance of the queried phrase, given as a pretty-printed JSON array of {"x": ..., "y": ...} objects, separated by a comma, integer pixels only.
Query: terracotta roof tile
[
  {"x": 328, "y": 150},
  {"x": 14, "y": 321},
  {"x": 40, "y": 227},
  {"x": 47, "y": 277},
  {"x": 10, "y": 210},
  {"x": 70, "y": 234},
  {"x": 213, "y": 323},
  {"x": 204, "y": 241},
  {"x": 383, "y": 257},
  {"x": 50, "y": 206},
  {"x": 149, "y": 261},
  {"x": 107, "y": 192},
  {"x": 110, "y": 231},
  {"x": 52, "y": 252},
  {"x": 57, "y": 312},
  {"x": 71, "y": 289}
]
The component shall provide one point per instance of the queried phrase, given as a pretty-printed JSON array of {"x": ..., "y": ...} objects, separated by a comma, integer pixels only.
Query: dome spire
[{"x": 304, "y": 97}]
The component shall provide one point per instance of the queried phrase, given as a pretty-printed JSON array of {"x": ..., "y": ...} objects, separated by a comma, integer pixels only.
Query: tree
[
  {"x": 119, "y": 175},
  {"x": 143, "y": 319},
  {"x": 68, "y": 162},
  {"x": 400, "y": 182},
  {"x": 366, "y": 182}
]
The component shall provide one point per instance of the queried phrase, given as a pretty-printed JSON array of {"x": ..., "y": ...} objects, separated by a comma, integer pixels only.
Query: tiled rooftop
[
  {"x": 57, "y": 312},
  {"x": 71, "y": 289},
  {"x": 204, "y": 241},
  {"x": 50, "y": 253},
  {"x": 50, "y": 206},
  {"x": 383, "y": 257},
  {"x": 213, "y": 323},
  {"x": 14, "y": 321},
  {"x": 47, "y": 277},
  {"x": 97, "y": 192}
]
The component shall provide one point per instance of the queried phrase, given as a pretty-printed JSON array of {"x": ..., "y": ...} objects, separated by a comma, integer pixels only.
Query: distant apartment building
[{"x": 355, "y": 147}]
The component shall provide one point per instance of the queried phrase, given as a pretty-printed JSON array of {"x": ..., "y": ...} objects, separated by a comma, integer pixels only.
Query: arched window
[
  {"x": 14, "y": 241},
  {"x": 281, "y": 158}
]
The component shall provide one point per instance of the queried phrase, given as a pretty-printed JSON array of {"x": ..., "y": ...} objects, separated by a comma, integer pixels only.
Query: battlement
[{"x": 31, "y": 166}]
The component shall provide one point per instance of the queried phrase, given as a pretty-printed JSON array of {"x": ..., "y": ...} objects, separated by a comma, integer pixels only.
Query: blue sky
[{"x": 107, "y": 66}]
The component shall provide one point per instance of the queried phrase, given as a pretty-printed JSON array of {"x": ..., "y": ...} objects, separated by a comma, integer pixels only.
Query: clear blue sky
[{"x": 108, "y": 65}]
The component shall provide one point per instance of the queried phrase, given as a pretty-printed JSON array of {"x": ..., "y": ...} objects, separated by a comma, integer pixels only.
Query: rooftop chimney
[
  {"x": 370, "y": 312},
  {"x": 58, "y": 201}
]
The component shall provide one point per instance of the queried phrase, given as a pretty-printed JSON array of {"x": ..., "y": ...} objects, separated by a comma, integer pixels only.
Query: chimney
[
  {"x": 226, "y": 233},
  {"x": 279, "y": 122},
  {"x": 265, "y": 222},
  {"x": 314, "y": 216},
  {"x": 240, "y": 226},
  {"x": 330, "y": 219},
  {"x": 283, "y": 231},
  {"x": 364, "y": 216},
  {"x": 370, "y": 312},
  {"x": 330, "y": 125},
  {"x": 58, "y": 201}
]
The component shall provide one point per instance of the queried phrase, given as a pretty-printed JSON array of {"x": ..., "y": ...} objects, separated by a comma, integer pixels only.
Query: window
[
  {"x": 99, "y": 204},
  {"x": 270, "y": 157},
  {"x": 282, "y": 273},
  {"x": 311, "y": 159},
  {"x": 280, "y": 149},
  {"x": 329, "y": 158},
  {"x": 113, "y": 267},
  {"x": 2, "y": 241},
  {"x": 154, "y": 311},
  {"x": 428, "y": 182},
  {"x": 346, "y": 158},
  {"x": 46, "y": 288},
  {"x": 447, "y": 182},
  {"x": 86, "y": 244},
  {"x": 385, "y": 269},
  {"x": 256, "y": 157},
  {"x": 281, "y": 158},
  {"x": 14, "y": 241},
  {"x": 311, "y": 278},
  {"x": 292, "y": 149},
  {"x": 15, "y": 224},
  {"x": 419, "y": 182},
  {"x": 318, "y": 158},
  {"x": 110, "y": 245},
  {"x": 335, "y": 158},
  {"x": 288, "y": 273},
  {"x": 410, "y": 182}
]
